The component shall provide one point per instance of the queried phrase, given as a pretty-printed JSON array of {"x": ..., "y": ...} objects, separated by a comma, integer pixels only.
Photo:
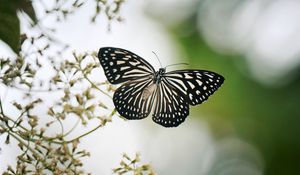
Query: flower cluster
[{"x": 37, "y": 122}]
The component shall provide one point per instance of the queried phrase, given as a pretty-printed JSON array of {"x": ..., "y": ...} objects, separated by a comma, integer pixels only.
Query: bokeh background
[{"x": 250, "y": 126}]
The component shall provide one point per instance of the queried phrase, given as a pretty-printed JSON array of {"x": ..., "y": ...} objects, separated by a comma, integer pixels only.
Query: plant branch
[{"x": 89, "y": 132}]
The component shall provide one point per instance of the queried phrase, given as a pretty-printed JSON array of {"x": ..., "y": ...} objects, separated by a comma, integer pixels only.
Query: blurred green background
[
  {"x": 254, "y": 44},
  {"x": 261, "y": 111}
]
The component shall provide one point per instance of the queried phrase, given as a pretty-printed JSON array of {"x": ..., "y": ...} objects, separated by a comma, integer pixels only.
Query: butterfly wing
[
  {"x": 171, "y": 108},
  {"x": 195, "y": 85},
  {"x": 172, "y": 96},
  {"x": 121, "y": 65},
  {"x": 131, "y": 101}
]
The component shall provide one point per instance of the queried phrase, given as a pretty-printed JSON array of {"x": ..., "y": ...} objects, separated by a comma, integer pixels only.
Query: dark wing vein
[
  {"x": 171, "y": 109},
  {"x": 195, "y": 85},
  {"x": 129, "y": 102},
  {"x": 121, "y": 65}
]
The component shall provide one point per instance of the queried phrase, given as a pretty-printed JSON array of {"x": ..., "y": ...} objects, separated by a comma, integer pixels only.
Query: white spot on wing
[
  {"x": 191, "y": 84},
  {"x": 199, "y": 82}
]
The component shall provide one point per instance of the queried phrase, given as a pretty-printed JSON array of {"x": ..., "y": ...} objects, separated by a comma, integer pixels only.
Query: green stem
[
  {"x": 72, "y": 129},
  {"x": 1, "y": 108},
  {"x": 93, "y": 85},
  {"x": 89, "y": 132},
  {"x": 96, "y": 87},
  {"x": 22, "y": 142},
  {"x": 16, "y": 121}
]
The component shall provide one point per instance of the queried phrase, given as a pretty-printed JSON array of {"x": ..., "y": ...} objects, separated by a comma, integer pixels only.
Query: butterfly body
[
  {"x": 158, "y": 75},
  {"x": 166, "y": 94}
]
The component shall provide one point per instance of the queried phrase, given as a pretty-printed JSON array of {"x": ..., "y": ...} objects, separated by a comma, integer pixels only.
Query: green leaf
[
  {"x": 10, "y": 25},
  {"x": 9, "y": 21},
  {"x": 26, "y": 6}
]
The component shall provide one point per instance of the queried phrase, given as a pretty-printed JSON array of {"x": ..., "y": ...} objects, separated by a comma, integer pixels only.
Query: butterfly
[{"x": 166, "y": 94}]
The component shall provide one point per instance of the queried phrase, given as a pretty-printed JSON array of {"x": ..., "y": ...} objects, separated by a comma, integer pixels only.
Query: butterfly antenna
[
  {"x": 157, "y": 58},
  {"x": 176, "y": 64}
]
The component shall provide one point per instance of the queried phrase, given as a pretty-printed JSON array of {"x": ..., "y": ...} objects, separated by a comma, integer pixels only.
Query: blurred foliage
[
  {"x": 10, "y": 24},
  {"x": 20, "y": 121},
  {"x": 132, "y": 166},
  {"x": 267, "y": 117},
  {"x": 41, "y": 153},
  {"x": 60, "y": 9}
]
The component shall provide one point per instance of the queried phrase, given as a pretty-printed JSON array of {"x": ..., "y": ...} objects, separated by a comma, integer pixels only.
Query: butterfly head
[
  {"x": 161, "y": 71},
  {"x": 158, "y": 75}
]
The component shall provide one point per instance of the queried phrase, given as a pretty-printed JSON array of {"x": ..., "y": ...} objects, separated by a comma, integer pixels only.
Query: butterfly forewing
[
  {"x": 130, "y": 101},
  {"x": 171, "y": 109},
  {"x": 121, "y": 65},
  {"x": 195, "y": 85},
  {"x": 170, "y": 93}
]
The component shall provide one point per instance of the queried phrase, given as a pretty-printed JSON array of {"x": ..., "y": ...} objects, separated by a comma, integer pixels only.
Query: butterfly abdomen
[{"x": 148, "y": 91}]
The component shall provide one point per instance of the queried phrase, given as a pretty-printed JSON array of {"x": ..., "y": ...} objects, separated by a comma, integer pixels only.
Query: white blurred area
[
  {"x": 265, "y": 32},
  {"x": 187, "y": 149}
]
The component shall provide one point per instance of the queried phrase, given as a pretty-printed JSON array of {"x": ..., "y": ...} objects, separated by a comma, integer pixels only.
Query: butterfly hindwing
[
  {"x": 170, "y": 94},
  {"x": 129, "y": 101},
  {"x": 171, "y": 109},
  {"x": 195, "y": 85},
  {"x": 121, "y": 65}
]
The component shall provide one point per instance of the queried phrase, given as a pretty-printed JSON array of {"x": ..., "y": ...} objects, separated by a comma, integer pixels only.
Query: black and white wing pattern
[
  {"x": 171, "y": 108},
  {"x": 169, "y": 94},
  {"x": 121, "y": 65},
  {"x": 133, "y": 100},
  {"x": 195, "y": 85}
]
